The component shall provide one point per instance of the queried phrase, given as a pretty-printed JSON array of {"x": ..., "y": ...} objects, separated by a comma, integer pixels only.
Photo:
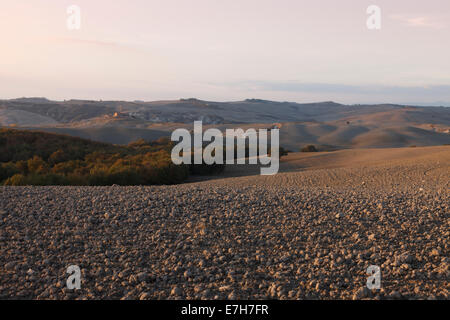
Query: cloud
[
  {"x": 419, "y": 21},
  {"x": 373, "y": 93},
  {"x": 294, "y": 86},
  {"x": 106, "y": 44},
  {"x": 94, "y": 42}
]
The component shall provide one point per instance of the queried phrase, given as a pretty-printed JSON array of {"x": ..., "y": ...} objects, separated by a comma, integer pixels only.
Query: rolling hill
[{"x": 327, "y": 124}]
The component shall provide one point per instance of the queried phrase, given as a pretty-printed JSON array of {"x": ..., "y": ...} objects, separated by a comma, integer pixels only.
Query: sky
[{"x": 283, "y": 50}]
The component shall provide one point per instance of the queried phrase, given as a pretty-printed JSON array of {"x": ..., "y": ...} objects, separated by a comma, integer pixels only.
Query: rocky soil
[{"x": 297, "y": 235}]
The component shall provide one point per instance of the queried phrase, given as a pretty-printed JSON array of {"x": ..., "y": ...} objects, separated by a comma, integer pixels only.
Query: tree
[
  {"x": 16, "y": 180},
  {"x": 56, "y": 157},
  {"x": 309, "y": 148},
  {"x": 37, "y": 165}
]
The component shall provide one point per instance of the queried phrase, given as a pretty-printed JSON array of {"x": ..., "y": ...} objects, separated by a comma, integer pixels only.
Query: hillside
[
  {"x": 38, "y": 158},
  {"x": 16, "y": 145},
  {"x": 327, "y": 124}
]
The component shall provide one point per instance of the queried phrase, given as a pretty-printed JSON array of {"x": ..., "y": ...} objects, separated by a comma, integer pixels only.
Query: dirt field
[{"x": 309, "y": 232}]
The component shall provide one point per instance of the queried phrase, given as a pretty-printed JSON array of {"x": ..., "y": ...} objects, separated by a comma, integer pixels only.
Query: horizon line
[{"x": 409, "y": 104}]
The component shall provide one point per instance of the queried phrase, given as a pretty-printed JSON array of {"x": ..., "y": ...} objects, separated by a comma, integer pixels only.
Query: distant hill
[
  {"x": 33, "y": 100},
  {"x": 324, "y": 123}
]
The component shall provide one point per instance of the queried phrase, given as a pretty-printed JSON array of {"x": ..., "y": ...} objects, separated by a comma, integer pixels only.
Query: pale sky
[{"x": 285, "y": 50}]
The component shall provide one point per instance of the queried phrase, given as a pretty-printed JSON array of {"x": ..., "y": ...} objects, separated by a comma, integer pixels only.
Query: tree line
[{"x": 39, "y": 158}]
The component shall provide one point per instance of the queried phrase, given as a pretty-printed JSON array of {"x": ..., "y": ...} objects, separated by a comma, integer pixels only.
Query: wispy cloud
[
  {"x": 419, "y": 21},
  {"x": 94, "y": 42}
]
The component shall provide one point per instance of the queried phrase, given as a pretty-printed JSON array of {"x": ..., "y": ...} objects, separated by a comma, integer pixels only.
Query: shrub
[
  {"x": 309, "y": 148},
  {"x": 283, "y": 152},
  {"x": 16, "y": 180},
  {"x": 57, "y": 157},
  {"x": 37, "y": 165},
  {"x": 7, "y": 170}
]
